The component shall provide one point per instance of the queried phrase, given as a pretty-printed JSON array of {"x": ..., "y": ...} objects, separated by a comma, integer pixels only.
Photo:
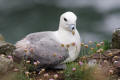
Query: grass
[
  {"x": 82, "y": 72},
  {"x": 93, "y": 47},
  {"x": 75, "y": 70}
]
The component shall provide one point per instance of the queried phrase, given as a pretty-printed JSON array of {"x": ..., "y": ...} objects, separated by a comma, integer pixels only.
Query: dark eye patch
[{"x": 65, "y": 19}]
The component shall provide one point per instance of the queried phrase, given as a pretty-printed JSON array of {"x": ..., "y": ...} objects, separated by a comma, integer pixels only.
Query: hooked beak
[{"x": 72, "y": 28}]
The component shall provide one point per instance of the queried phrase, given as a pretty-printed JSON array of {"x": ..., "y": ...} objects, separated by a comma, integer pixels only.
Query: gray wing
[
  {"x": 49, "y": 53},
  {"x": 45, "y": 49}
]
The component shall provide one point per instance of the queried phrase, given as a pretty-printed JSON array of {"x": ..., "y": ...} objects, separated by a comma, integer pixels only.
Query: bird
[{"x": 52, "y": 48}]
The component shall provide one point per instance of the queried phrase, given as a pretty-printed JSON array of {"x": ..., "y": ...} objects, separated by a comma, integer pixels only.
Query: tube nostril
[{"x": 73, "y": 28}]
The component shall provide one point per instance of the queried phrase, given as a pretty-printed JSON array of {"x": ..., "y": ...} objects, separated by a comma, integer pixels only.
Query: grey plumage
[{"x": 42, "y": 47}]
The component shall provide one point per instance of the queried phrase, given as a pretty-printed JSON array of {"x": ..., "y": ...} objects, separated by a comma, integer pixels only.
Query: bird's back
[{"x": 44, "y": 47}]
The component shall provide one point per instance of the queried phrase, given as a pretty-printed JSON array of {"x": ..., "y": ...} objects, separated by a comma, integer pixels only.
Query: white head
[{"x": 68, "y": 21}]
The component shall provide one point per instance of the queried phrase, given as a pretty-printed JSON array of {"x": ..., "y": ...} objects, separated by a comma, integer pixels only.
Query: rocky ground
[{"x": 109, "y": 60}]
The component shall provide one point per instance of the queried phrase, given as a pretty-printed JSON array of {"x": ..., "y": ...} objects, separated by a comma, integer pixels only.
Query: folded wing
[{"x": 41, "y": 47}]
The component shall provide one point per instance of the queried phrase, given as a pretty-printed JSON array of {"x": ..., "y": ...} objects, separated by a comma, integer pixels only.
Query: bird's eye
[{"x": 65, "y": 19}]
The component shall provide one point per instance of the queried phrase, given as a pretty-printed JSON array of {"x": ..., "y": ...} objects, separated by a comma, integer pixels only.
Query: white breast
[{"x": 67, "y": 39}]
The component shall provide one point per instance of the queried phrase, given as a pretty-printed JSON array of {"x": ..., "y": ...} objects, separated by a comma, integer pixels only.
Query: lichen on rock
[
  {"x": 116, "y": 39},
  {"x": 5, "y": 64},
  {"x": 6, "y": 48}
]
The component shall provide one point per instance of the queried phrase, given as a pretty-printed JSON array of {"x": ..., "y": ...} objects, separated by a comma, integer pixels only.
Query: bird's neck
[
  {"x": 64, "y": 35},
  {"x": 63, "y": 31}
]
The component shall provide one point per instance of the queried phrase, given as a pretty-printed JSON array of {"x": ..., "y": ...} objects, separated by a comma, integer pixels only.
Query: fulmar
[{"x": 52, "y": 48}]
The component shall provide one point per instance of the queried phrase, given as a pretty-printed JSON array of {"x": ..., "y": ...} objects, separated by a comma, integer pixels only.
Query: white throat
[{"x": 67, "y": 38}]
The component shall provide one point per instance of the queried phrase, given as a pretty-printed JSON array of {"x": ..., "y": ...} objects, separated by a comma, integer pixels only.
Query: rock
[
  {"x": 114, "y": 59},
  {"x": 112, "y": 52},
  {"x": 1, "y": 37},
  {"x": 98, "y": 56},
  {"x": 109, "y": 59},
  {"x": 116, "y": 64},
  {"x": 116, "y": 39},
  {"x": 6, "y": 48},
  {"x": 5, "y": 64},
  {"x": 107, "y": 55},
  {"x": 92, "y": 62}
]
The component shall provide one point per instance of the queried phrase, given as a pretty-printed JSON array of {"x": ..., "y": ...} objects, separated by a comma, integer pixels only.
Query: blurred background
[{"x": 96, "y": 18}]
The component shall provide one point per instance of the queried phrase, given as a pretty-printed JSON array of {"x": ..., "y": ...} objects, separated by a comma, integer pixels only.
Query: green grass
[
  {"x": 87, "y": 51},
  {"x": 107, "y": 45},
  {"x": 82, "y": 72}
]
